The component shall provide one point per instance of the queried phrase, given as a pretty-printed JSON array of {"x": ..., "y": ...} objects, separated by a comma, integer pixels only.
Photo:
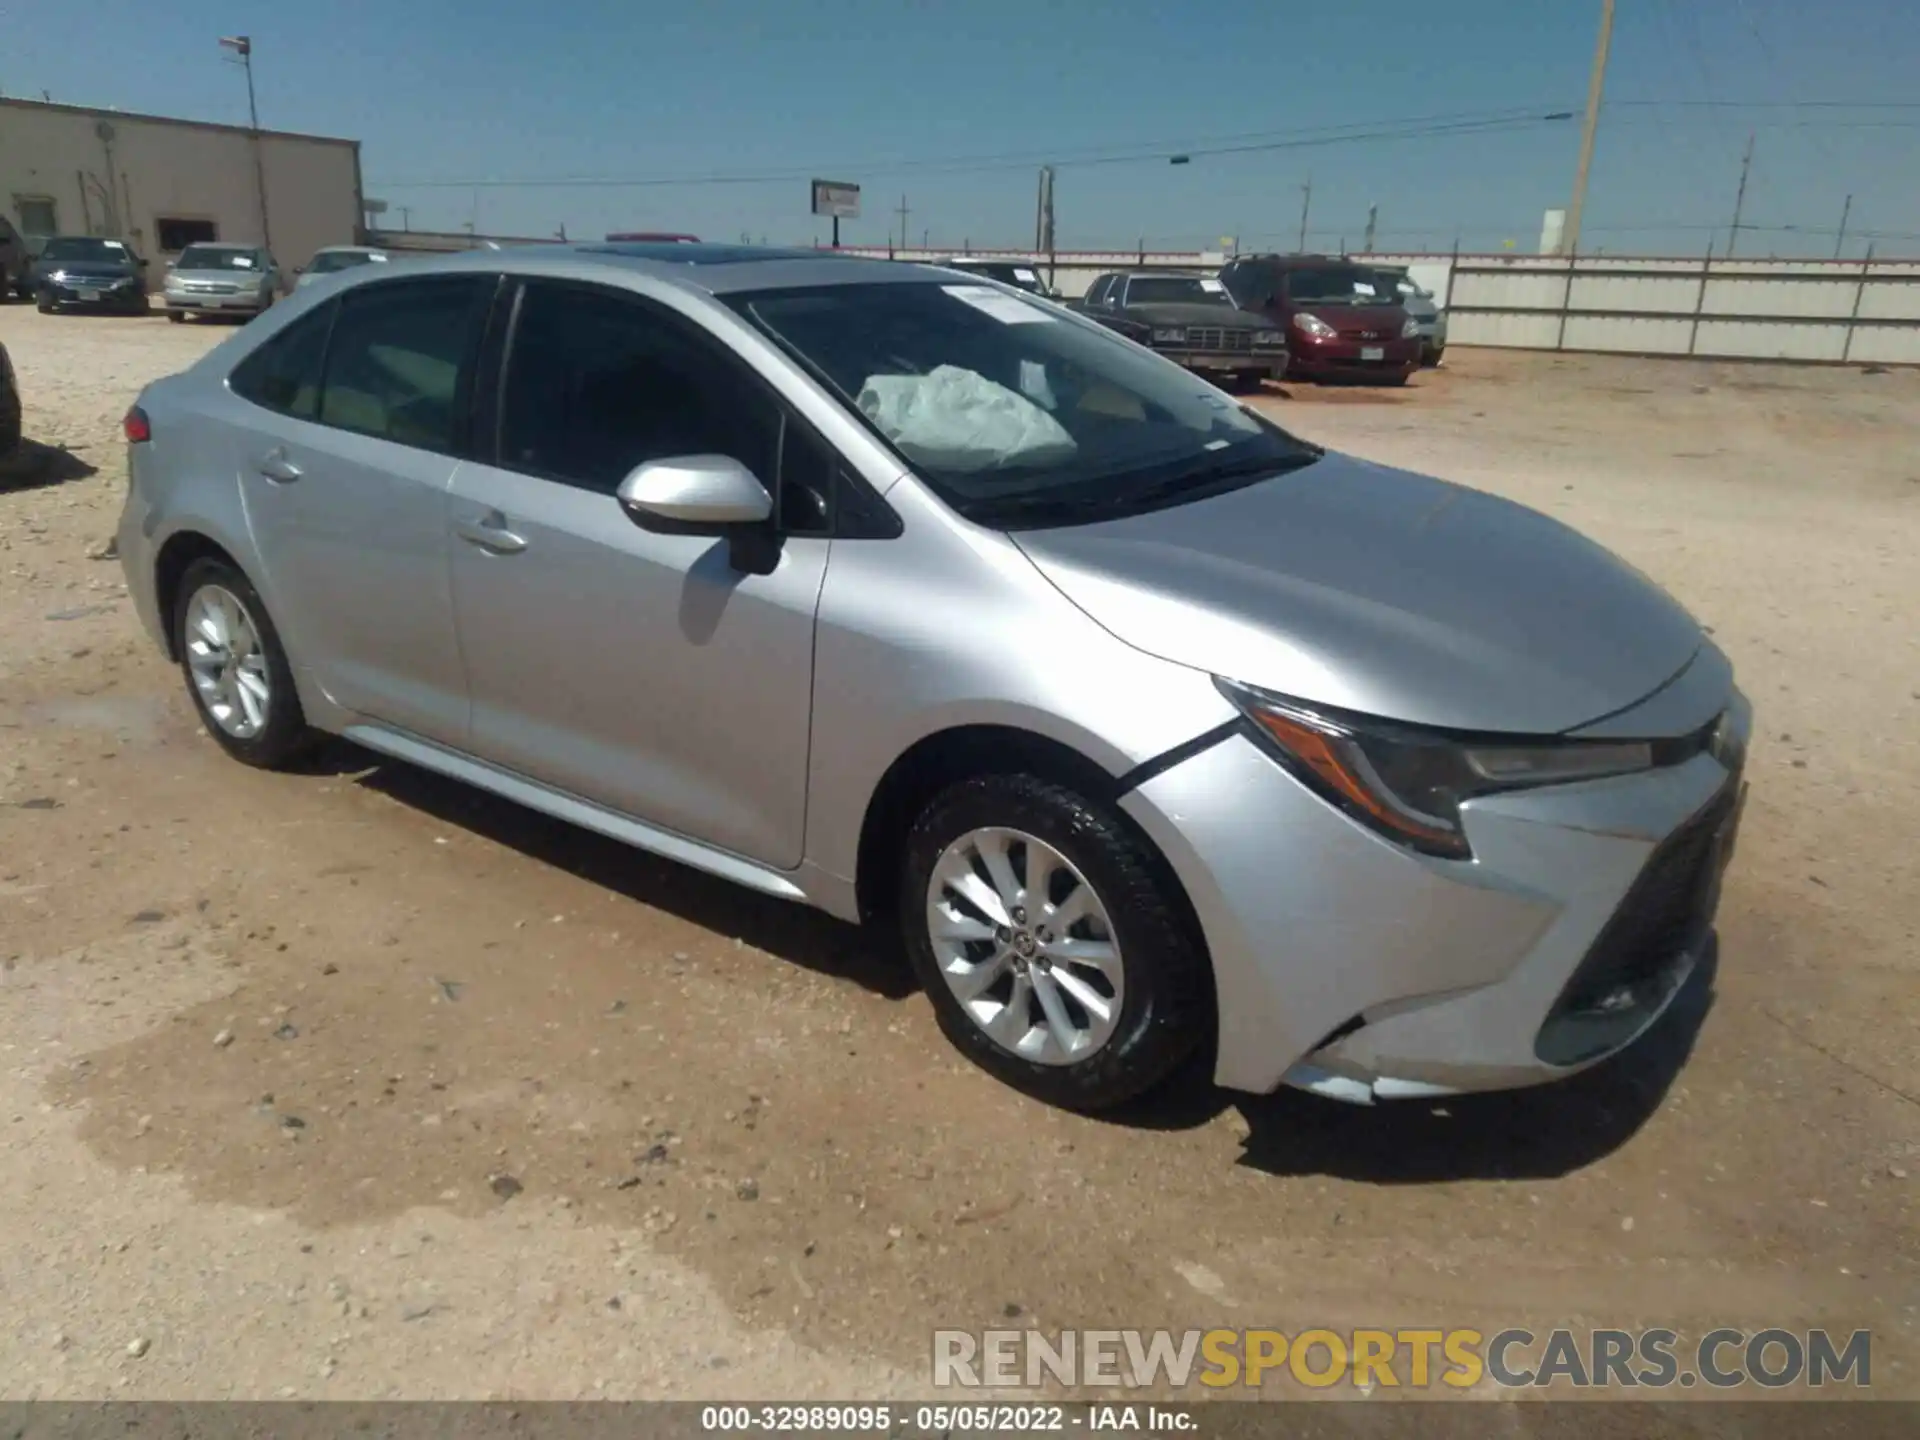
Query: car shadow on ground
[
  {"x": 34, "y": 466},
  {"x": 788, "y": 931},
  {"x": 1537, "y": 1133}
]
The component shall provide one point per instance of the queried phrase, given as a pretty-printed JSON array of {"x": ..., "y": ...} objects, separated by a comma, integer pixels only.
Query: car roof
[{"x": 714, "y": 269}]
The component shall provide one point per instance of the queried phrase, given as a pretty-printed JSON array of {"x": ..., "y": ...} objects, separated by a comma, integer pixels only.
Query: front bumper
[
  {"x": 1228, "y": 362},
  {"x": 250, "y": 304},
  {"x": 1339, "y": 358},
  {"x": 78, "y": 295},
  {"x": 1349, "y": 966}
]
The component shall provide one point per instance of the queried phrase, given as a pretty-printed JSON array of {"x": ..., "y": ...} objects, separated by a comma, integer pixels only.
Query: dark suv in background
[{"x": 1343, "y": 321}]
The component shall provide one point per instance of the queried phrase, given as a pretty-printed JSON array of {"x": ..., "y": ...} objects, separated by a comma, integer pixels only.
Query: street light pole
[
  {"x": 242, "y": 46},
  {"x": 1596, "y": 82}
]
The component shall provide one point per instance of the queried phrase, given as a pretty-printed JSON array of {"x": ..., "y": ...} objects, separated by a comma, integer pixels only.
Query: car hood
[
  {"x": 88, "y": 269},
  {"x": 234, "y": 277},
  {"x": 1383, "y": 592},
  {"x": 1216, "y": 316}
]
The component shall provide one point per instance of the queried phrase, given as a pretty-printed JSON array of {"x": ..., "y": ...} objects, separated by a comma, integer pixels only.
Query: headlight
[
  {"x": 57, "y": 275},
  {"x": 1269, "y": 337},
  {"x": 1407, "y": 783},
  {"x": 1169, "y": 337},
  {"x": 1410, "y": 329},
  {"x": 1313, "y": 325}
]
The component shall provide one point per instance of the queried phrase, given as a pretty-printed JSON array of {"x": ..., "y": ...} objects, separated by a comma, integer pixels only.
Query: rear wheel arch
[{"x": 170, "y": 568}]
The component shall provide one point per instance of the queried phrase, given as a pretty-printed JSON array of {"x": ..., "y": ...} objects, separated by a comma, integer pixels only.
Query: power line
[{"x": 1466, "y": 123}]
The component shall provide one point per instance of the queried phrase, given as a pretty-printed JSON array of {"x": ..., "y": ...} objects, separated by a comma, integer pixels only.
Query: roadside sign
[{"x": 836, "y": 198}]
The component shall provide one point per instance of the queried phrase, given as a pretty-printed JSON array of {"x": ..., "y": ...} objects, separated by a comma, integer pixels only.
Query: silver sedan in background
[
  {"x": 222, "y": 280},
  {"x": 1150, "y": 729},
  {"x": 334, "y": 258}
]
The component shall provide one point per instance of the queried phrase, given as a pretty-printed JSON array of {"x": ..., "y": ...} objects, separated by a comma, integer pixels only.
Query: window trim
[
  {"x": 486, "y": 287},
  {"x": 860, "y": 519},
  {"x": 331, "y": 310}
]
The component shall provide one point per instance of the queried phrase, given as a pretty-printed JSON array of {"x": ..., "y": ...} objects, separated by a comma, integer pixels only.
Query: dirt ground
[{"x": 357, "y": 1084}]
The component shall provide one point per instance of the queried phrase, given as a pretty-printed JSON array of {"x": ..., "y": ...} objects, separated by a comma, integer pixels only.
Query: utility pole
[
  {"x": 1373, "y": 214},
  {"x": 1043, "y": 213},
  {"x": 1570, "y": 232},
  {"x": 1841, "y": 239},
  {"x": 242, "y": 46},
  {"x": 903, "y": 212},
  {"x": 1740, "y": 197},
  {"x": 406, "y": 217},
  {"x": 1306, "y": 204}
]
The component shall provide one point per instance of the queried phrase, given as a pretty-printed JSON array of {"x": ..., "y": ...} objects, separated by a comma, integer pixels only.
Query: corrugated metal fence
[{"x": 1827, "y": 311}]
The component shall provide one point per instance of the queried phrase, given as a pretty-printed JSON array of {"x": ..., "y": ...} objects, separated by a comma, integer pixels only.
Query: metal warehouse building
[{"x": 161, "y": 184}]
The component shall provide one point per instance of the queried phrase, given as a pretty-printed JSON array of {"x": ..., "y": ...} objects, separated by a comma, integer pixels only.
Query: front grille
[
  {"x": 1211, "y": 339},
  {"x": 1663, "y": 914}
]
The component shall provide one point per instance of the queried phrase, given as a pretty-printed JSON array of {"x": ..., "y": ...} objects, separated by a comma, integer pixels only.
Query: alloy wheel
[
  {"x": 227, "y": 661},
  {"x": 1026, "y": 946}
]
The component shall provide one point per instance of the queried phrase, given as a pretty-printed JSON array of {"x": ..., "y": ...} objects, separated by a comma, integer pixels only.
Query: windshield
[
  {"x": 85, "y": 247},
  {"x": 1175, "y": 290},
  {"x": 1341, "y": 284},
  {"x": 1016, "y": 413},
  {"x": 328, "y": 261},
  {"x": 217, "y": 257}
]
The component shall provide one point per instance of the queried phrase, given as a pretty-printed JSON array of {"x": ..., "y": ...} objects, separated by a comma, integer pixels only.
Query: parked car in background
[
  {"x": 1191, "y": 320},
  {"x": 332, "y": 259},
  {"x": 1423, "y": 306},
  {"x": 651, "y": 237},
  {"x": 34, "y": 245},
  {"x": 9, "y": 406},
  {"x": 1154, "y": 729},
  {"x": 215, "y": 279},
  {"x": 1342, "y": 321},
  {"x": 15, "y": 263},
  {"x": 1017, "y": 273},
  {"x": 87, "y": 272}
]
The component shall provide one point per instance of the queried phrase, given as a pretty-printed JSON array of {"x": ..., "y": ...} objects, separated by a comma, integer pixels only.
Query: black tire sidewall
[
  {"x": 1167, "y": 1011},
  {"x": 285, "y": 735}
]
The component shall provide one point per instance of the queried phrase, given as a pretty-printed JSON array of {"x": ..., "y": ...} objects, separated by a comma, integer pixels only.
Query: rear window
[{"x": 327, "y": 261}]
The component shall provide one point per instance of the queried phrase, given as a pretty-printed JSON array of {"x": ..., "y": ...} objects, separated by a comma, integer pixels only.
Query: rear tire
[
  {"x": 1118, "y": 971},
  {"x": 236, "y": 669},
  {"x": 43, "y": 304}
]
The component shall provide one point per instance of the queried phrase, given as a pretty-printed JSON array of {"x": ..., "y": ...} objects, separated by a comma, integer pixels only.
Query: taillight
[{"x": 137, "y": 427}]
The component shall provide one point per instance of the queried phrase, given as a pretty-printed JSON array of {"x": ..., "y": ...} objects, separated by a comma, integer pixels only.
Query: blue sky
[{"x": 868, "y": 91}]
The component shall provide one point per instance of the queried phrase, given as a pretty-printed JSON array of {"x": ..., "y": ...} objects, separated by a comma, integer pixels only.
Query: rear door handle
[
  {"x": 490, "y": 532},
  {"x": 277, "y": 467}
]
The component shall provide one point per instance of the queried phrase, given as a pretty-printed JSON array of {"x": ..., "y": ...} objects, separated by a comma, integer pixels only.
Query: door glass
[
  {"x": 284, "y": 374},
  {"x": 398, "y": 353},
  {"x": 597, "y": 384}
]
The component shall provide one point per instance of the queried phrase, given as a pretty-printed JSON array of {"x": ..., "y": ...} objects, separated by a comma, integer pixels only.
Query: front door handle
[
  {"x": 490, "y": 532},
  {"x": 277, "y": 467}
]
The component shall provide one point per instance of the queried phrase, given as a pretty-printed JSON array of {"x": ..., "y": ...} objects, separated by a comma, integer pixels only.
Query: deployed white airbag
[{"x": 960, "y": 420}]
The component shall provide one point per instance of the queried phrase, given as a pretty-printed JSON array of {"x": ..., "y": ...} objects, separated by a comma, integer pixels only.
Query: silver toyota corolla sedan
[{"x": 1149, "y": 725}]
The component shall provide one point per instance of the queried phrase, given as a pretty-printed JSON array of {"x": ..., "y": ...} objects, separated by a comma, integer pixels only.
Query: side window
[
  {"x": 283, "y": 375},
  {"x": 399, "y": 354},
  {"x": 1097, "y": 292},
  {"x": 808, "y": 469},
  {"x": 598, "y": 382}
]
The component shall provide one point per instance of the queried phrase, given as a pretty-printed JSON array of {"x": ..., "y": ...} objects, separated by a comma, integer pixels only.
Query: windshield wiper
[{"x": 1192, "y": 483}]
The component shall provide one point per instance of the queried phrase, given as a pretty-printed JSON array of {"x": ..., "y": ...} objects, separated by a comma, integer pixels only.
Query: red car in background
[{"x": 1343, "y": 321}]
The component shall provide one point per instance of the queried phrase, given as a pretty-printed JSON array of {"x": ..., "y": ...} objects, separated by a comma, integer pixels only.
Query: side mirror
[
  {"x": 706, "y": 495},
  {"x": 695, "y": 494}
]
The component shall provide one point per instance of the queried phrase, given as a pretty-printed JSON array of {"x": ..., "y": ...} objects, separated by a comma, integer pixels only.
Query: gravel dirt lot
[{"x": 353, "y": 1083}]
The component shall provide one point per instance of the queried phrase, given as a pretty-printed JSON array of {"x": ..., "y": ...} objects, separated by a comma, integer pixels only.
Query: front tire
[
  {"x": 236, "y": 669},
  {"x": 178, "y": 317},
  {"x": 1051, "y": 942}
]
